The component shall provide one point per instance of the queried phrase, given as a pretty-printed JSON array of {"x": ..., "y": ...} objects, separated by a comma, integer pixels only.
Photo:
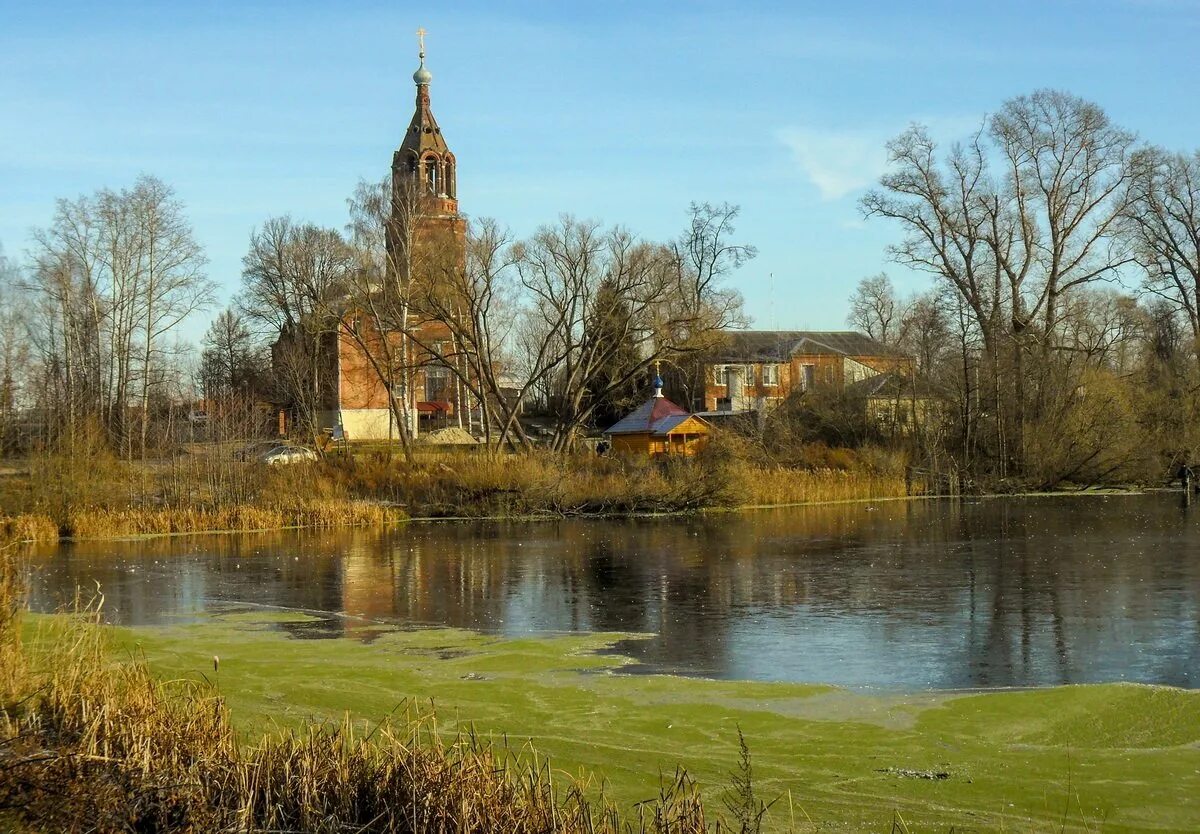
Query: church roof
[
  {"x": 657, "y": 415},
  {"x": 423, "y": 134}
]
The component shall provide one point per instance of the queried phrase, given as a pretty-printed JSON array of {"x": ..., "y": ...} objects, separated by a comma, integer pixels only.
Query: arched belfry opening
[{"x": 432, "y": 179}]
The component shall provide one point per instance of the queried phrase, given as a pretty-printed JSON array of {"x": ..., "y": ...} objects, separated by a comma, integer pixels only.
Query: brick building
[
  {"x": 426, "y": 235},
  {"x": 756, "y": 369}
]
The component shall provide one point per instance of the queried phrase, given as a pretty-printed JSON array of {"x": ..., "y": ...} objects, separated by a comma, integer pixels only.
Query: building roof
[
  {"x": 892, "y": 384},
  {"x": 668, "y": 424},
  {"x": 779, "y": 345},
  {"x": 657, "y": 415}
]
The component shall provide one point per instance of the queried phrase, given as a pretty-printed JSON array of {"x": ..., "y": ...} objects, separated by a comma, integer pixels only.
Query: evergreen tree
[{"x": 609, "y": 322}]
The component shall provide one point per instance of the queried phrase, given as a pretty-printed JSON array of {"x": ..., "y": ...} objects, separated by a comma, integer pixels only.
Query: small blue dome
[{"x": 658, "y": 383}]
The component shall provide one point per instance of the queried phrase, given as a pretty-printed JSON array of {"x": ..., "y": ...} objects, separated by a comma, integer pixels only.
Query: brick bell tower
[{"x": 425, "y": 186}]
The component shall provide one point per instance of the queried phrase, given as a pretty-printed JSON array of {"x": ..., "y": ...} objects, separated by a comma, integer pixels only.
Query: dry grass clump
[
  {"x": 92, "y": 745},
  {"x": 777, "y": 485},
  {"x": 92, "y": 523},
  {"x": 728, "y": 472},
  {"x": 536, "y": 483},
  {"x": 28, "y": 527},
  {"x": 12, "y": 659}
]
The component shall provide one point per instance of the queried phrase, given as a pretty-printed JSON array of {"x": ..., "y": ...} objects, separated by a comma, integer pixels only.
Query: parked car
[
  {"x": 284, "y": 454},
  {"x": 254, "y": 451}
]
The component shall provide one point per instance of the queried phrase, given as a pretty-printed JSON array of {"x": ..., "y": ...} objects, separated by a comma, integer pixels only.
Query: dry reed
[
  {"x": 210, "y": 492},
  {"x": 28, "y": 527},
  {"x": 94, "y": 523},
  {"x": 760, "y": 485},
  {"x": 536, "y": 483}
]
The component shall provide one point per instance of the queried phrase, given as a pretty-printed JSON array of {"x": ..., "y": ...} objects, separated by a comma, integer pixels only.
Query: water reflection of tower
[
  {"x": 448, "y": 574},
  {"x": 368, "y": 579}
]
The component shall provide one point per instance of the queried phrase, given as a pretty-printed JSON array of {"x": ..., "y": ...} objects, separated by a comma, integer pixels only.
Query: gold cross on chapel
[{"x": 421, "y": 33}]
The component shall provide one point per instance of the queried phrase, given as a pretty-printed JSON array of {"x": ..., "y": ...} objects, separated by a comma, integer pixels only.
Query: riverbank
[
  {"x": 58, "y": 496},
  {"x": 1120, "y": 757},
  {"x": 63, "y": 497}
]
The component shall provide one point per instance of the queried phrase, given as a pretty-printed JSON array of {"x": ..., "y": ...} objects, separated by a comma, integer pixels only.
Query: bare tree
[
  {"x": 170, "y": 276},
  {"x": 672, "y": 303},
  {"x": 946, "y": 212},
  {"x": 14, "y": 353},
  {"x": 562, "y": 269},
  {"x": 1066, "y": 170},
  {"x": 1102, "y": 327},
  {"x": 1014, "y": 244},
  {"x": 705, "y": 255},
  {"x": 295, "y": 279},
  {"x": 873, "y": 308},
  {"x": 1162, "y": 223},
  {"x": 70, "y": 307},
  {"x": 923, "y": 330},
  {"x": 113, "y": 275},
  {"x": 229, "y": 362},
  {"x": 476, "y": 304}
]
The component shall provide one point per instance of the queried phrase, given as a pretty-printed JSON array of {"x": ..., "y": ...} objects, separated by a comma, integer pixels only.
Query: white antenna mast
[{"x": 774, "y": 306}]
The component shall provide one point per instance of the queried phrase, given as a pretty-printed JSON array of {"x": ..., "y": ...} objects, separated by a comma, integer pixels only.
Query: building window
[
  {"x": 718, "y": 375},
  {"x": 437, "y": 383},
  {"x": 808, "y": 375},
  {"x": 449, "y": 189},
  {"x": 770, "y": 376}
]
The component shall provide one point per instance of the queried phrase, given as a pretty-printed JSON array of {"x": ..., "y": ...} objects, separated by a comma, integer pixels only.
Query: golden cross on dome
[{"x": 421, "y": 33}]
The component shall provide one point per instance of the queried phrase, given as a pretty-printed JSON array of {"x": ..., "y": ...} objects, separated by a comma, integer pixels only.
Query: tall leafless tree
[
  {"x": 14, "y": 353},
  {"x": 171, "y": 283},
  {"x": 1162, "y": 223},
  {"x": 873, "y": 308}
]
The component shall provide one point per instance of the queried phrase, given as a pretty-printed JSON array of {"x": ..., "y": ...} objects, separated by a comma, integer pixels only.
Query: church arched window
[
  {"x": 431, "y": 174},
  {"x": 450, "y": 185}
]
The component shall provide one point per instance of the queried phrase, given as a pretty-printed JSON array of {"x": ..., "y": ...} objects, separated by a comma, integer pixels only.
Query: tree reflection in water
[{"x": 943, "y": 594}]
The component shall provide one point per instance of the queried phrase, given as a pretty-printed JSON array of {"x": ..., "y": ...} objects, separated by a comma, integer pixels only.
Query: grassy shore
[{"x": 1117, "y": 758}]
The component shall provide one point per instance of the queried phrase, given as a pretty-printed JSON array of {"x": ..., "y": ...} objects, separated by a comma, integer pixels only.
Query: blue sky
[{"x": 623, "y": 112}]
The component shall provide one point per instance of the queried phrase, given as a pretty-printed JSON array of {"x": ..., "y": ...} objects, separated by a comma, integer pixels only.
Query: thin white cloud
[
  {"x": 840, "y": 162},
  {"x": 837, "y": 162}
]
